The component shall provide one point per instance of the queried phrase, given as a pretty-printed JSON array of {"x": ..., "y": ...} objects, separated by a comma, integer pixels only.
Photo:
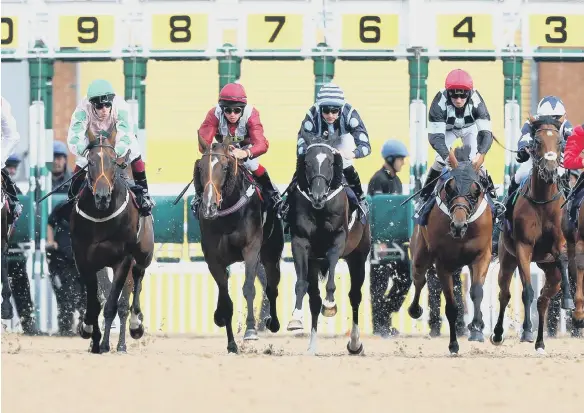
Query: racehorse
[
  {"x": 108, "y": 231},
  {"x": 462, "y": 211},
  {"x": 323, "y": 231},
  {"x": 235, "y": 226},
  {"x": 575, "y": 256},
  {"x": 535, "y": 234},
  {"x": 7, "y": 311}
]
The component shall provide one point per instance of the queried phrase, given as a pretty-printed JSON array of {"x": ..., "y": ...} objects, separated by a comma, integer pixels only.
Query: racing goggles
[
  {"x": 330, "y": 109},
  {"x": 237, "y": 110},
  {"x": 99, "y": 102},
  {"x": 458, "y": 93}
]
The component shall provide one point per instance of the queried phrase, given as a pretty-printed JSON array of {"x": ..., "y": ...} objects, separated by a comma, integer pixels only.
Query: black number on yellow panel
[
  {"x": 563, "y": 36},
  {"x": 369, "y": 34},
  {"x": 469, "y": 34},
  {"x": 10, "y": 32},
  {"x": 277, "y": 19},
  {"x": 88, "y": 25},
  {"x": 180, "y": 29}
]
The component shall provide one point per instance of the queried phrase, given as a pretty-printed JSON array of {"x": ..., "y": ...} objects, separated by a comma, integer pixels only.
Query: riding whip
[
  {"x": 424, "y": 187},
  {"x": 62, "y": 185},
  {"x": 182, "y": 192}
]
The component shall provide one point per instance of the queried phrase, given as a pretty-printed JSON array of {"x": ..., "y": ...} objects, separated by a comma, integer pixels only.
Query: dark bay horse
[
  {"x": 235, "y": 227},
  {"x": 108, "y": 231},
  {"x": 323, "y": 231},
  {"x": 458, "y": 234},
  {"x": 6, "y": 309},
  {"x": 536, "y": 234},
  {"x": 575, "y": 255}
]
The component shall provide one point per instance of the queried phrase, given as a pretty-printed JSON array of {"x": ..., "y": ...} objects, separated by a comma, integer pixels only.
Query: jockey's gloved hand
[{"x": 522, "y": 155}]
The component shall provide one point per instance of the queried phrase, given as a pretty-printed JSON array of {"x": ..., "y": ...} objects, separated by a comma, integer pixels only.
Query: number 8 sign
[{"x": 180, "y": 32}]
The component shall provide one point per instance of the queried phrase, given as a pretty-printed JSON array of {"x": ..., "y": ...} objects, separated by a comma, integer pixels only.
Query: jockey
[
  {"x": 100, "y": 111},
  {"x": 458, "y": 111},
  {"x": 548, "y": 106},
  {"x": 234, "y": 117},
  {"x": 10, "y": 138},
  {"x": 573, "y": 158},
  {"x": 329, "y": 114}
]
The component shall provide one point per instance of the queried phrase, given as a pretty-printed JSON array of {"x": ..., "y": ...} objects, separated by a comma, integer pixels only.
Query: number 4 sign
[{"x": 464, "y": 31}]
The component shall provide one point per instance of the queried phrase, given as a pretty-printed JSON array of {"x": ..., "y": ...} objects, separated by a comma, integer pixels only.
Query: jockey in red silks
[
  {"x": 234, "y": 117},
  {"x": 573, "y": 158}
]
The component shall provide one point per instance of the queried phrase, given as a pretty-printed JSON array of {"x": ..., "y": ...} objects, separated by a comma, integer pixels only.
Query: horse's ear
[
  {"x": 90, "y": 135},
  {"x": 113, "y": 135},
  {"x": 202, "y": 143},
  {"x": 532, "y": 118},
  {"x": 562, "y": 119},
  {"x": 227, "y": 142}
]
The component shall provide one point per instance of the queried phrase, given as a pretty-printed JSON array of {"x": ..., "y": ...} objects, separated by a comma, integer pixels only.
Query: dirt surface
[{"x": 274, "y": 374}]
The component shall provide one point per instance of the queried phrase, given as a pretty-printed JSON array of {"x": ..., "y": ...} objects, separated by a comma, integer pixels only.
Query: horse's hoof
[
  {"x": 7, "y": 311},
  {"x": 232, "y": 347},
  {"x": 357, "y": 352},
  {"x": 329, "y": 311},
  {"x": 251, "y": 334},
  {"x": 104, "y": 348},
  {"x": 84, "y": 334},
  {"x": 294, "y": 325},
  {"x": 453, "y": 348},
  {"x": 435, "y": 332},
  {"x": 95, "y": 348},
  {"x": 121, "y": 349},
  {"x": 577, "y": 323},
  {"x": 138, "y": 332},
  {"x": 568, "y": 303},
  {"x": 527, "y": 336},
  {"x": 476, "y": 336},
  {"x": 540, "y": 347},
  {"x": 415, "y": 311},
  {"x": 219, "y": 319},
  {"x": 496, "y": 341},
  {"x": 273, "y": 324}
]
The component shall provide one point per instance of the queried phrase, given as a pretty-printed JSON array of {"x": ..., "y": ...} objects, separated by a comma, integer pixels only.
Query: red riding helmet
[
  {"x": 458, "y": 79},
  {"x": 232, "y": 94}
]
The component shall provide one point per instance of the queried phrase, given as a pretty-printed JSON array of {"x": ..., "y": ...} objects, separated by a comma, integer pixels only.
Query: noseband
[{"x": 102, "y": 175}]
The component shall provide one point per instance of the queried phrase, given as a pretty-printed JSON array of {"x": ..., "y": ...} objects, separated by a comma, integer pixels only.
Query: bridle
[{"x": 216, "y": 192}]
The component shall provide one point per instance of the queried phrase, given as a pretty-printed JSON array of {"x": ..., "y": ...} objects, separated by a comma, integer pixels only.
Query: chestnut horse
[{"x": 535, "y": 234}]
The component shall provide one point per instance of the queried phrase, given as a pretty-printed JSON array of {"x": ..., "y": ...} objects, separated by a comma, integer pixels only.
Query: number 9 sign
[
  {"x": 87, "y": 32},
  {"x": 370, "y": 32}
]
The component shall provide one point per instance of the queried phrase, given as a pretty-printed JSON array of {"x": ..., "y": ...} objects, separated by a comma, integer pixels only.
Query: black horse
[
  {"x": 323, "y": 230},
  {"x": 108, "y": 231},
  {"x": 235, "y": 226},
  {"x": 7, "y": 311}
]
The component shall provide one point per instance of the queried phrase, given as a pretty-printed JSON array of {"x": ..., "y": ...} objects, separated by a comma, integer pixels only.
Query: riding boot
[
  {"x": 355, "y": 183},
  {"x": 429, "y": 186},
  {"x": 141, "y": 187},
  {"x": 269, "y": 191},
  {"x": 12, "y": 191},
  {"x": 196, "y": 202}
]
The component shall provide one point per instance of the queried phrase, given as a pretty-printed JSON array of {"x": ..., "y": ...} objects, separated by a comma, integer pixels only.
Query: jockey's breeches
[{"x": 468, "y": 137}]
